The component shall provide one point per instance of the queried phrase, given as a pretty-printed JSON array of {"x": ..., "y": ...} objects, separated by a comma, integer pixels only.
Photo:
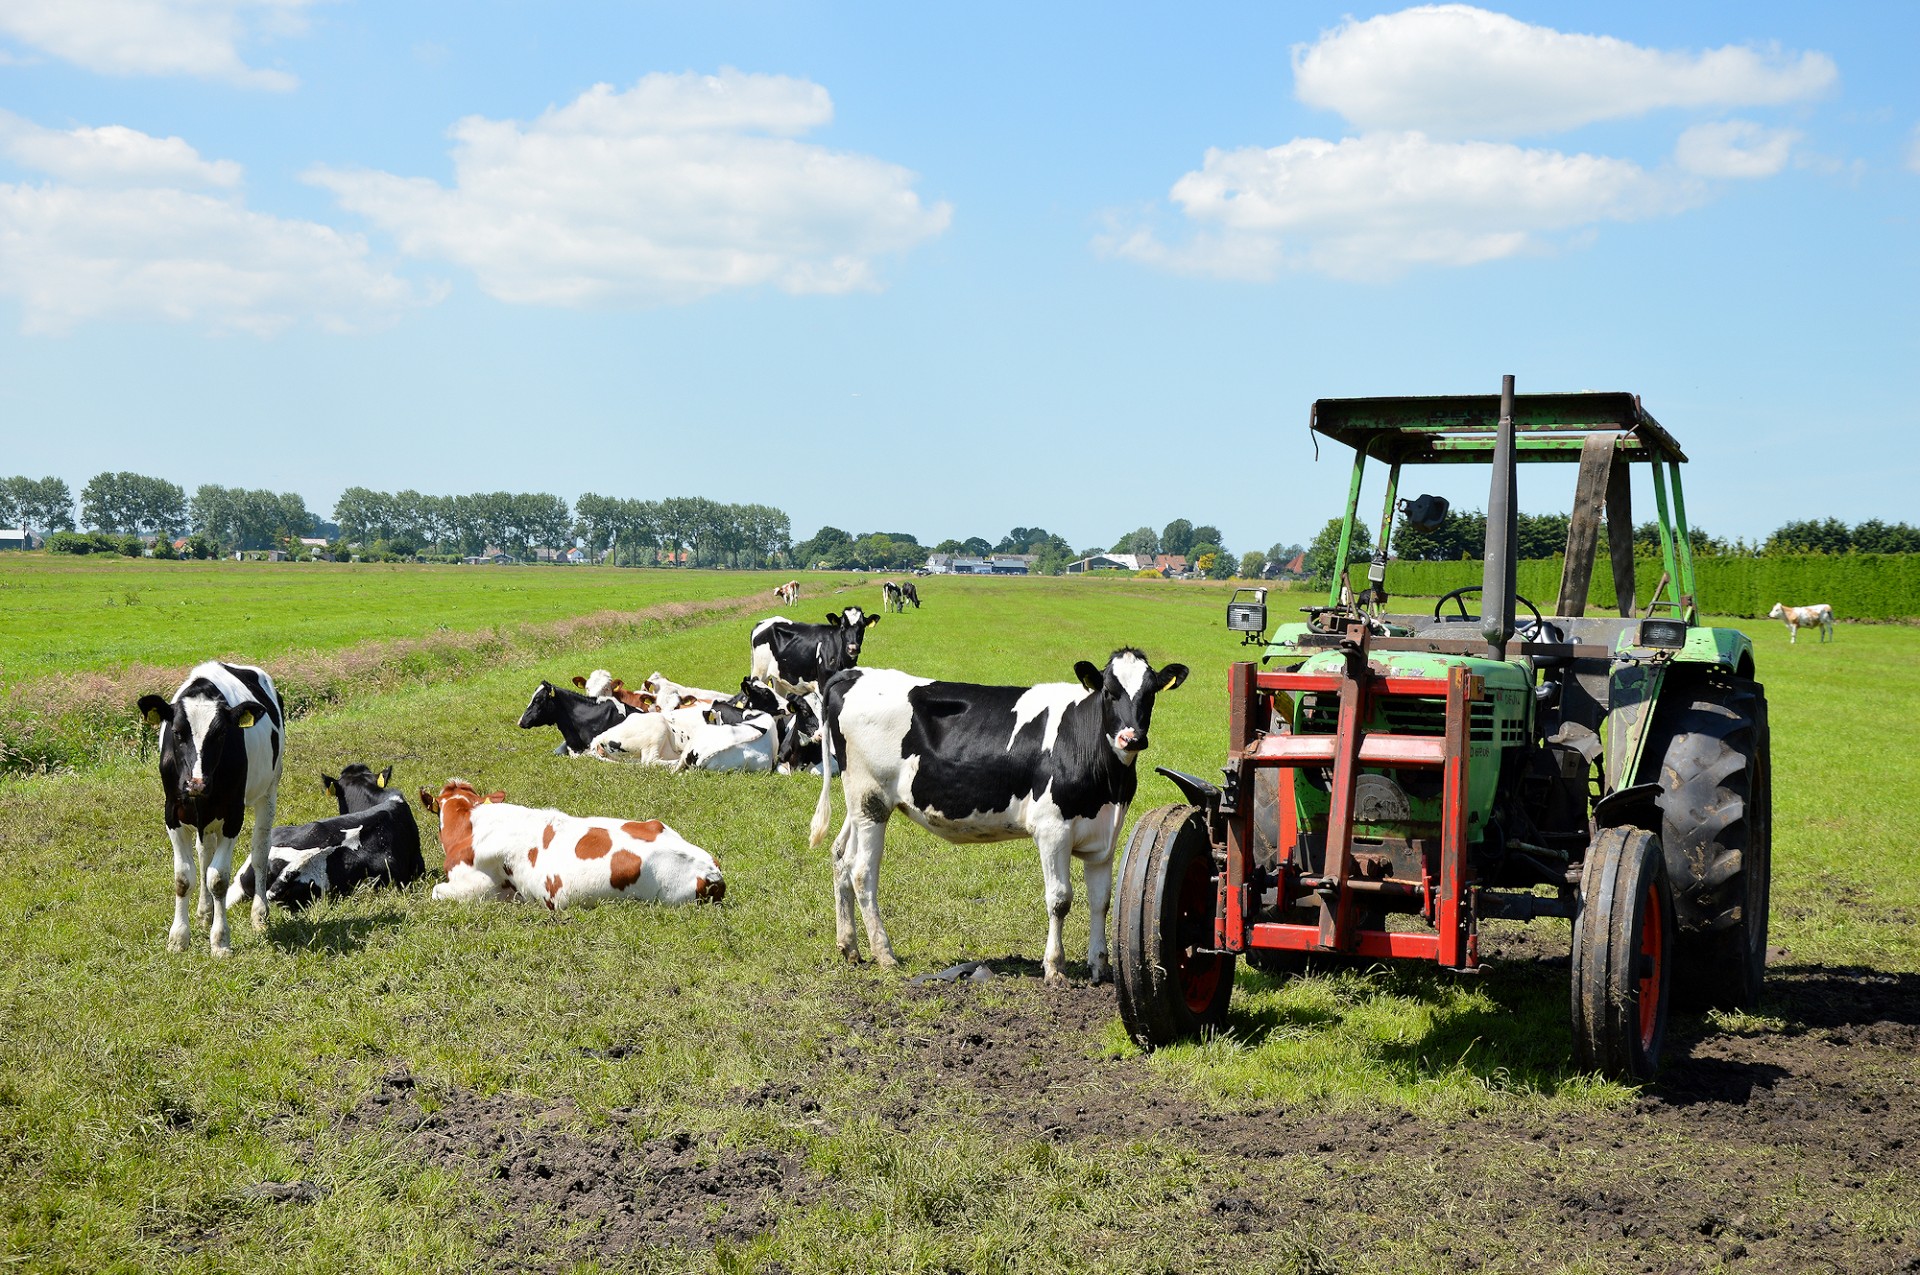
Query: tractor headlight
[
  {"x": 1247, "y": 615},
  {"x": 1669, "y": 634}
]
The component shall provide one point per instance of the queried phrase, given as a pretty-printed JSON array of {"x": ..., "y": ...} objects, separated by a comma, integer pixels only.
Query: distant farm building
[
  {"x": 1167, "y": 564},
  {"x": 19, "y": 538},
  {"x": 996, "y": 564}
]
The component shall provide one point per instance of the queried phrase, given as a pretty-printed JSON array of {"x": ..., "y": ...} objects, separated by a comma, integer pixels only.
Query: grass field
[{"x": 385, "y": 1083}]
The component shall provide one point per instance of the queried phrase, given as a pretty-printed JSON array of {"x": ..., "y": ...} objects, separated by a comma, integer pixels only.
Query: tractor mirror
[{"x": 1424, "y": 513}]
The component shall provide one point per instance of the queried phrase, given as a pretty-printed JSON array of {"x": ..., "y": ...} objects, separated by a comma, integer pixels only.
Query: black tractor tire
[
  {"x": 1170, "y": 989},
  {"x": 1709, "y": 752},
  {"x": 1623, "y": 955}
]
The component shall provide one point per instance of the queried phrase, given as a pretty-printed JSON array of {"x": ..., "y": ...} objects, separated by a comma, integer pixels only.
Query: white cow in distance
[{"x": 1819, "y": 613}]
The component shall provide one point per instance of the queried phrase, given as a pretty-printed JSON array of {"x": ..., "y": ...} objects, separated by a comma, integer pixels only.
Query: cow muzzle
[
  {"x": 1129, "y": 740},
  {"x": 194, "y": 788}
]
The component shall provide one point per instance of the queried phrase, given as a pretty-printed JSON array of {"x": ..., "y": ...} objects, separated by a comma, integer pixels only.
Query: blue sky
[{"x": 948, "y": 270}]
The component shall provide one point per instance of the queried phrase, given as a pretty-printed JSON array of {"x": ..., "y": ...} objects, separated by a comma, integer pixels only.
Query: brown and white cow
[
  {"x": 788, "y": 592},
  {"x": 502, "y": 851},
  {"x": 1819, "y": 613}
]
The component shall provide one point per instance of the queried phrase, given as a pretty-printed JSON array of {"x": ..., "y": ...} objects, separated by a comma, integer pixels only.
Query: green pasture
[
  {"x": 145, "y": 1096},
  {"x": 61, "y": 615}
]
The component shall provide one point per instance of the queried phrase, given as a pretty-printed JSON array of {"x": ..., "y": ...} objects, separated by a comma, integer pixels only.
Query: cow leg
[
  {"x": 843, "y": 902},
  {"x": 218, "y": 871},
  {"x": 869, "y": 839},
  {"x": 185, "y": 857},
  {"x": 464, "y": 882},
  {"x": 1056, "y": 868},
  {"x": 1099, "y": 870},
  {"x": 257, "y": 858}
]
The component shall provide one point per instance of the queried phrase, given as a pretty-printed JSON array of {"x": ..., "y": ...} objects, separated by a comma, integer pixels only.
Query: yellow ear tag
[
  {"x": 381, "y": 782},
  {"x": 153, "y": 717},
  {"x": 245, "y": 719}
]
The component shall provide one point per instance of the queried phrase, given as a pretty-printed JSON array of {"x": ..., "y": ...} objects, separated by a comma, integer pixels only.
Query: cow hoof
[
  {"x": 260, "y": 916},
  {"x": 851, "y": 957},
  {"x": 177, "y": 941},
  {"x": 220, "y": 953},
  {"x": 1056, "y": 978},
  {"x": 1103, "y": 975}
]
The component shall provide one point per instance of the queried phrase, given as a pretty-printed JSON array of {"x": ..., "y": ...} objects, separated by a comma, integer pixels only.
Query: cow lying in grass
[
  {"x": 1819, "y": 613},
  {"x": 373, "y": 838},
  {"x": 501, "y": 851},
  {"x": 221, "y": 747}
]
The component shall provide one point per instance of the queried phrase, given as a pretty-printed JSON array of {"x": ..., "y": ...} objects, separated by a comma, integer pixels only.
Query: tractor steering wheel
[{"x": 1458, "y": 598}]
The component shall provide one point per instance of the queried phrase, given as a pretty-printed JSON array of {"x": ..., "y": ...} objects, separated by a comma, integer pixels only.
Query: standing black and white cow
[
  {"x": 793, "y": 657},
  {"x": 373, "y": 838},
  {"x": 909, "y": 593},
  {"x": 988, "y": 763},
  {"x": 580, "y": 718},
  {"x": 890, "y": 599},
  {"x": 221, "y": 745}
]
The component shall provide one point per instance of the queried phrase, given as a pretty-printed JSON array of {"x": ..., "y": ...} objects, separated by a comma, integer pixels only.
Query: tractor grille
[{"x": 1406, "y": 715}]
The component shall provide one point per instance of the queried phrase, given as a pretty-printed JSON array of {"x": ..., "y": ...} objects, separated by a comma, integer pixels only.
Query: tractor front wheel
[
  {"x": 1172, "y": 985},
  {"x": 1623, "y": 949}
]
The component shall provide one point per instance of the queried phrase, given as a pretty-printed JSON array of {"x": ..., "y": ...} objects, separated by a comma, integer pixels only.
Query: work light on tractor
[{"x": 1394, "y": 779}]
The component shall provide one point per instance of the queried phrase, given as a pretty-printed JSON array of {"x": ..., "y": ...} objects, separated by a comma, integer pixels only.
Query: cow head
[
  {"x": 204, "y": 729},
  {"x": 1779, "y": 610},
  {"x": 853, "y": 624},
  {"x": 802, "y": 727},
  {"x": 542, "y": 709},
  {"x": 460, "y": 793},
  {"x": 1125, "y": 689},
  {"x": 358, "y": 787}
]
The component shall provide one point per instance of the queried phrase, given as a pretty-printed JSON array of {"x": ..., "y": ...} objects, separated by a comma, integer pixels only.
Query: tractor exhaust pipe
[{"x": 1497, "y": 579}]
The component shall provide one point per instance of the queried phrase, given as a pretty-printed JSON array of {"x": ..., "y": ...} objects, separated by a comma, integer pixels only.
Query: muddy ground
[{"x": 1754, "y": 1152}]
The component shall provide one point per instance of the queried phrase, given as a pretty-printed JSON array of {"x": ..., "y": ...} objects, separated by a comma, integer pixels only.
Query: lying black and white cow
[
  {"x": 373, "y": 838},
  {"x": 988, "y": 763},
  {"x": 221, "y": 744},
  {"x": 794, "y": 657},
  {"x": 580, "y": 718},
  {"x": 801, "y": 737}
]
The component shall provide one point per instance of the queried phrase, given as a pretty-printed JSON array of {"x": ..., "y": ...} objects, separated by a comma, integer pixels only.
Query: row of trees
[
  {"x": 38, "y": 504},
  {"x": 688, "y": 530}
]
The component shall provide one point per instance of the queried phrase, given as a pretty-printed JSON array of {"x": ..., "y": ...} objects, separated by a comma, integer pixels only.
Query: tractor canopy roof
[{"x": 1459, "y": 429}]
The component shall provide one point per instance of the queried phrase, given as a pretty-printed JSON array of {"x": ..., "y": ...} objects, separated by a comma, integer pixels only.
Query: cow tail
[{"x": 823, "y": 810}]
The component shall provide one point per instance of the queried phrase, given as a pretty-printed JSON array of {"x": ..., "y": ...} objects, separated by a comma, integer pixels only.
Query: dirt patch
[
  {"x": 1788, "y": 1144},
  {"x": 1753, "y": 1152},
  {"x": 602, "y": 1196}
]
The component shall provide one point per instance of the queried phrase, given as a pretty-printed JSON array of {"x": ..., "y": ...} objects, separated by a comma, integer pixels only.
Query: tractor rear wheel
[
  {"x": 1171, "y": 987},
  {"x": 1711, "y": 750},
  {"x": 1623, "y": 955}
]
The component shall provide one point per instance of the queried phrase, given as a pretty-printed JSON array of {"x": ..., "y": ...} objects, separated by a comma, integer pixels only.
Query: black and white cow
[
  {"x": 908, "y": 593},
  {"x": 988, "y": 763},
  {"x": 794, "y": 657},
  {"x": 800, "y": 735},
  {"x": 373, "y": 838},
  {"x": 222, "y": 739},
  {"x": 580, "y": 718},
  {"x": 890, "y": 599}
]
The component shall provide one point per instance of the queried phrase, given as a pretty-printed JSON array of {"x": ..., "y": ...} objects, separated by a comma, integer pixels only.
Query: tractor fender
[
  {"x": 1198, "y": 792},
  {"x": 1637, "y": 806}
]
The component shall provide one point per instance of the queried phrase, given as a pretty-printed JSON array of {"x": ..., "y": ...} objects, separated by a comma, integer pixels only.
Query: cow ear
[
  {"x": 497, "y": 796},
  {"x": 153, "y": 709},
  {"x": 1170, "y": 677},
  {"x": 617, "y": 685},
  {"x": 833, "y": 618},
  {"x": 245, "y": 715},
  {"x": 426, "y": 799},
  {"x": 384, "y": 776},
  {"x": 869, "y": 621},
  {"x": 1089, "y": 675},
  {"x": 579, "y": 681},
  {"x": 329, "y": 785}
]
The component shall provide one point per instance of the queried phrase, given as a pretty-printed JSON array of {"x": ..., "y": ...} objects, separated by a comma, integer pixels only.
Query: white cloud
[
  {"x": 1734, "y": 148},
  {"x": 1371, "y": 207},
  {"x": 157, "y": 37},
  {"x": 1457, "y": 71},
  {"x": 113, "y": 155},
  {"x": 674, "y": 189},
  {"x": 117, "y": 238}
]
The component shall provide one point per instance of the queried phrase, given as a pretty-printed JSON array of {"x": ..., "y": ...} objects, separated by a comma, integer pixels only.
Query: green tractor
[{"x": 1394, "y": 778}]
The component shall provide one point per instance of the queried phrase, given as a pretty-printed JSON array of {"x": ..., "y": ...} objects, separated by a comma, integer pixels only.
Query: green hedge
[{"x": 1858, "y": 586}]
